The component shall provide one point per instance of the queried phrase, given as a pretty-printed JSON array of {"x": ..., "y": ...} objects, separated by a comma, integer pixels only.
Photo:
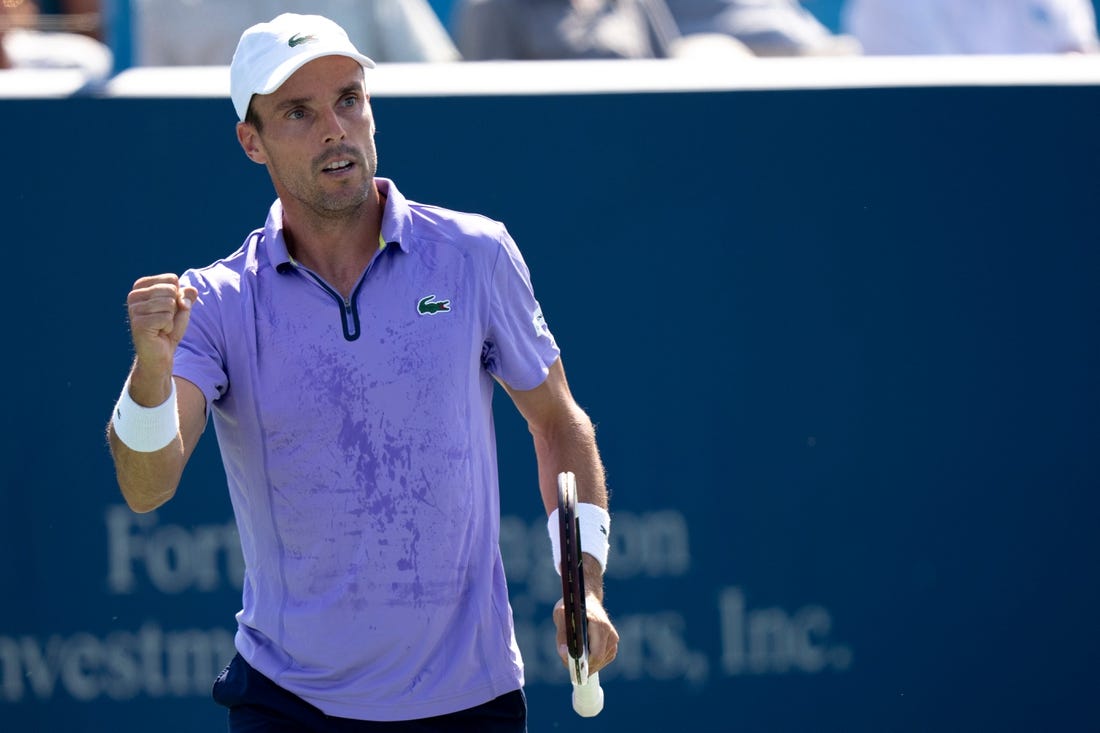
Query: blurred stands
[
  {"x": 117, "y": 23},
  {"x": 977, "y": 27},
  {"x": 205, "y": 32},
  {"x": 63, "y": 34}
]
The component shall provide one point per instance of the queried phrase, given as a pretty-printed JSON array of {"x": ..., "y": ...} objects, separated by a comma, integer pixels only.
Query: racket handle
[{"x": 588, "y": 697}]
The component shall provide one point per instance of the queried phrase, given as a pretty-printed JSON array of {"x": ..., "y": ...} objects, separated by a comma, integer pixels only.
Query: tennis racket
[{"x": 587, "y": 694}]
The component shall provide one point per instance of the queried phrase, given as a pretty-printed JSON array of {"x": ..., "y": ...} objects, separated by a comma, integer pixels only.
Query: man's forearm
[
  {"x": 147, "y": 480},
  {"x": 571, "y": 447}
]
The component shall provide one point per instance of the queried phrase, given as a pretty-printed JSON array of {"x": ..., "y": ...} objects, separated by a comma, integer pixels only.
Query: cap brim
[{"x": 285, "y": 70}]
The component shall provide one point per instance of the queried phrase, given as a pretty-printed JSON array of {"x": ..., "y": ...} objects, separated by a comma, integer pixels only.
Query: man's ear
[{"x": 250, "y": 142}]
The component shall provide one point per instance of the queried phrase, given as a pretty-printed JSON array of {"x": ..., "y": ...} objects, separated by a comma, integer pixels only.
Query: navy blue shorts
[{"x": 258, "y": 705}]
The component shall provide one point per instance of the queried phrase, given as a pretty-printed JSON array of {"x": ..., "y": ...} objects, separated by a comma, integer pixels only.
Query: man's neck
[{"x": 336, "y": 248}]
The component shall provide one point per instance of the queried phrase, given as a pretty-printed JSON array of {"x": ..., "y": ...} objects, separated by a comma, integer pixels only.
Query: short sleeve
[
  {"x": 519, "y": 348},
  {"x": 200, "y": 354}
]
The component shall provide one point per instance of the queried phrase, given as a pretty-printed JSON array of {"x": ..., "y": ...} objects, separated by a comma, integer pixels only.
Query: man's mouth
[{"x": 337, "y": 165}]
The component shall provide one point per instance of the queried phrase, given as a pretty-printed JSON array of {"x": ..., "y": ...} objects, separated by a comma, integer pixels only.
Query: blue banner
[{"x": 840, "y": 347}]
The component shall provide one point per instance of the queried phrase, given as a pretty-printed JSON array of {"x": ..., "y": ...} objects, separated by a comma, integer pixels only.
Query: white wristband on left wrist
[{"x": 595, "y": 525}]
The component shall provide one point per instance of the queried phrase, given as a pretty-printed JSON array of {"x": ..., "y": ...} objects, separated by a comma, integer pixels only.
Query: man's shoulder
[
  {"x": 431, "y": 217},
  {"x": 225, "y": 273},
  {"x": 471, "y": 233}
]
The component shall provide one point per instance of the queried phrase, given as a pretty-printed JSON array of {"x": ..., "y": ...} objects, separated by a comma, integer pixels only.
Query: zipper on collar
[{"x": 349, "y": 310}]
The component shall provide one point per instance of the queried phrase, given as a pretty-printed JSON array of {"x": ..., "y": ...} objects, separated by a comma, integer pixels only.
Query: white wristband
[
  {"x": 595, "y": 532},
  {"x": 146, "y": 429}
]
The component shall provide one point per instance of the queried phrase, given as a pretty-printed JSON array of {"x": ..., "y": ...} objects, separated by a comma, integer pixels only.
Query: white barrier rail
[{"x": 507, "y": 78}]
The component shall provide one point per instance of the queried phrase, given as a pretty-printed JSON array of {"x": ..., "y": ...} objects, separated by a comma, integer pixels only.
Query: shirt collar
[
  {"x": 396, "y": 216},
  {"x": 396, "y": 225}
]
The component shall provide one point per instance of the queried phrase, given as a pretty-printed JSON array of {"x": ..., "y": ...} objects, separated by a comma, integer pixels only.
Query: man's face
[{"x": 317, "y": 136}]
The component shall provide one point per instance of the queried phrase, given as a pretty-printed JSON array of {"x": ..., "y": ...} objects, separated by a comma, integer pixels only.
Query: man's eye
[
  {"x": 295, "y": 114},
  {"x": 350, "y": 101}
]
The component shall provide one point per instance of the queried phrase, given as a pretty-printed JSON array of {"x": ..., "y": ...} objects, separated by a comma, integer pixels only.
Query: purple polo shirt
[{"x": 358, "y": 444}]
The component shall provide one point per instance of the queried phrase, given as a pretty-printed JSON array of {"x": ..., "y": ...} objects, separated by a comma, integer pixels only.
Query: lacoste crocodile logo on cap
[
  {"x": 429, "y": 306},
  {"x": 298, "y": 39}
]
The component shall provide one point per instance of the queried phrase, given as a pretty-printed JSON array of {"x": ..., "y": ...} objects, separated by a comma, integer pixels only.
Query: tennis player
[{"x": 347, "y": 353}]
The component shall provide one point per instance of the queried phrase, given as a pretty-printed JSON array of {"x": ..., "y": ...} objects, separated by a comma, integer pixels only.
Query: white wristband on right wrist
[
  {"x": 595, "y": 533},
  {"x": 146, "y": 429}
]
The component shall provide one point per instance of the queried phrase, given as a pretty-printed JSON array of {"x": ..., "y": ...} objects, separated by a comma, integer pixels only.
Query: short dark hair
[{"x": 252, "y": 118}]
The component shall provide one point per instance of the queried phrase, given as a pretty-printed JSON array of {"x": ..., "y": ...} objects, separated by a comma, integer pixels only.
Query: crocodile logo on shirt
[
  {"x": 298, "y": 39},
  {"x": 429, "y": 306}
]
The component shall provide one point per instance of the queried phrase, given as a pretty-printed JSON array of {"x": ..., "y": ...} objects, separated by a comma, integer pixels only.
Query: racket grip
[{"x": 588, "y": 697}]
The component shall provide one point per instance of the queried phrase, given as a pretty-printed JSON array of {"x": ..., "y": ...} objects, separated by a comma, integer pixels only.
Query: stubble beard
[
  {"x": 331, "y": 204},
  {"x": 338, "y": 204}
]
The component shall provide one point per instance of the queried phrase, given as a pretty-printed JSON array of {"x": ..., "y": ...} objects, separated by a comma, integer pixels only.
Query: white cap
[{"x": 268, "y": 53}]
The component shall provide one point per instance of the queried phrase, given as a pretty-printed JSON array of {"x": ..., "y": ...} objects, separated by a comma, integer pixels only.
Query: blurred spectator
[
  {"x": 205, "y": 32},
  {"x": 72, "y": 16},
  {"x": 62, "y": 39},
  {"x": 540, "y": 30},
  {"x": 972, "y": 26},
  {"x": 555, "y": 29},
  {"x": 766, "y": 27}
]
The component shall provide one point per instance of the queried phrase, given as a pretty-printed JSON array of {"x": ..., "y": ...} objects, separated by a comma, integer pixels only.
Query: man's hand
[
  {"x": 159, "y": 312},
  {"x": 603, "y": 640}
]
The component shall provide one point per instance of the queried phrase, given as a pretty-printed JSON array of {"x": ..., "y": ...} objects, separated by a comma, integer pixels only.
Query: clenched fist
[{"x": 159, "y": 310}]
